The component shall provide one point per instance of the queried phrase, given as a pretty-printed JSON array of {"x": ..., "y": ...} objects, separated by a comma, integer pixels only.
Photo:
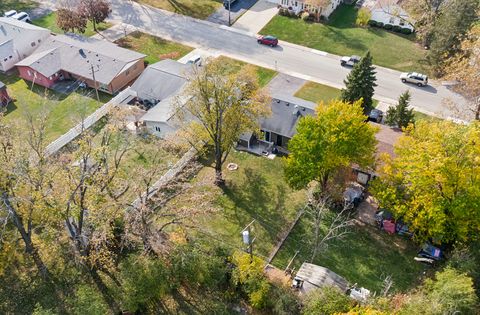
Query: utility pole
[
  {"x": 229, "y": 18},
  {"x": 95, "y": 82},
  {"x": 247, "y": 238}
]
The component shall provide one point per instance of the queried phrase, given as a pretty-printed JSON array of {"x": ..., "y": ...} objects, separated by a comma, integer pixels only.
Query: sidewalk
[
  {"x": 257, "y": 17},
  {"x": 115, "y": 32}
]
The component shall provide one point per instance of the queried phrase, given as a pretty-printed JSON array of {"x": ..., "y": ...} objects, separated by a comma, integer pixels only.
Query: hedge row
[{"x": 390, "y": 27}]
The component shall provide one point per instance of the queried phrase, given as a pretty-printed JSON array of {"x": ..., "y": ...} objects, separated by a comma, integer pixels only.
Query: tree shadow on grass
[{"x": 260, "y": 200}]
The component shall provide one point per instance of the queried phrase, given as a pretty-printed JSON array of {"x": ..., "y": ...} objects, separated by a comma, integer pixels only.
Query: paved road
[{"x": 291, "y": 59}]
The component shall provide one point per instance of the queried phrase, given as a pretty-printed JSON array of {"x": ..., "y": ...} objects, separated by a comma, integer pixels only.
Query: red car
[{"x": 269, "y": 40}]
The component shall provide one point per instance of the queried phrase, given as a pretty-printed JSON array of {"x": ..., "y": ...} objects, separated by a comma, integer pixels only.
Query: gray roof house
[
  {"x": 161, "y": 80},
  {"x": 276, "y": 129},
  {"x": 310, "y": 277},
  {"x": 89, "y": 60},
  {"x": 18, "y": 40},
  {"x": 159, "y": 89}
]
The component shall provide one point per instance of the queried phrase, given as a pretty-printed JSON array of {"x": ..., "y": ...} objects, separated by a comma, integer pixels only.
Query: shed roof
[{"x": 320, "y": 276}]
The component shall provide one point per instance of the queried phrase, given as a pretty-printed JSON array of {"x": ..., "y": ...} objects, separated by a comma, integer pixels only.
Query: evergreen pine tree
[
  {"x": 400, "y": 115},
  {"x": 360, "y": 83}
]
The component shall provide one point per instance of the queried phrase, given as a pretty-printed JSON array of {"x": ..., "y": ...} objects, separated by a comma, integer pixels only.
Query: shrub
[
  {"x": 249, "y": 277},
  {"x": 388, "y": 26},
  {"x": 397, "y": 28},
  {"x": 380, "y": 24},
  {"x": 305, "y": 16},
  {"x": 372, "y": 23},
  {"x": 283, "y": 12},
  {"x": 406, "y": 31},
  {"x": 327, "y": 300},
  {"x": 363, "y": 17}
]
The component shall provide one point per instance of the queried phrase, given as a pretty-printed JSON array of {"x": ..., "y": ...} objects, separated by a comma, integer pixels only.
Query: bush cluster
[{"x": 390, "y": 27}]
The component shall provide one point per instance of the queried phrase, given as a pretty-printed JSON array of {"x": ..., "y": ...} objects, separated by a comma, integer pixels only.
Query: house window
[
  {"x": 402, "y": 23},
  {"x": 29, "y": 73},
  {"x": 296, "y": 3},
  {"x": 50, "y": 78},
  {"x": 39, "y": 40},
  {"x": 392, "y": 20},
  {"x": 157, "y": 129},
  {"x": 33, "y": 44},
  {"x": 5, "y": 59},
  {"x": 9, "y": 57}
]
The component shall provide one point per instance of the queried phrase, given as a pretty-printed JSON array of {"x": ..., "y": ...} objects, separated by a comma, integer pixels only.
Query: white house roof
[
  {"x": 166, "y": 109},
  {"x": 16, "y": 33}
]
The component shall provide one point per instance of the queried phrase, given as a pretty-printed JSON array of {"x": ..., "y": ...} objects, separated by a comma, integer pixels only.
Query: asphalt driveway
[{"x": 236, "y": 10}]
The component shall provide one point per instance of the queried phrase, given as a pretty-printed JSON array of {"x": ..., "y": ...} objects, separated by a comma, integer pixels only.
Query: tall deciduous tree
[
  {"x": 464, "y": 67},
  {"x": 433, "y": 183},
  {"x": 400, "y": 115},
  {"x": 423, "y": 14},
  {"x": 317, "y": 7},
  {"x": 95, "y": 11},
  {"x": 224, "y": 106},
  {"x": 25, "y": 174},
  {"x": 360, "y": 83},
  {"x": 336, "y": 137},
  {"x": 456, "y": 18},
  {"x": 71, "y": 21}
]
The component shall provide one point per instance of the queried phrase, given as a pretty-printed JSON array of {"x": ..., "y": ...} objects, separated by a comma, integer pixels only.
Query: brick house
[{"x": 81, "y": 59}]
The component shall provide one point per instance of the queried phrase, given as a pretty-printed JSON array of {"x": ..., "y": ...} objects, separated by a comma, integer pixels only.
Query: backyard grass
[
  {"x": 341, "y": 37},
  {"x": 18, "y": 5},
  {"x": 316, "y": 92},
  {"x": 63, "y": 111},
  {"x": 155, "y": 48},
  {"x": 199, "y": 9},
  {"x": 49, "y": 21},
  {"x": 365, "y": 256},
  {"x": 264, "y": 75},
  {"x": 256, "y": 190}
]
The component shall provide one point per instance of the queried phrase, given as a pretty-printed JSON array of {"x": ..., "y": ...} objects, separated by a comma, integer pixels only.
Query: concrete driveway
[
  {"x": 236, "y": 10},
  {"x": 257, "y": 17}
]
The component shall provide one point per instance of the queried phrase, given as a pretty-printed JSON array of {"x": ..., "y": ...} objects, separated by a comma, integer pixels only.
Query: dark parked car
[
  {"x": 269, "y": 40},
  {"x": 375, "y": 115},
  {"x": 431, "y": 252}
]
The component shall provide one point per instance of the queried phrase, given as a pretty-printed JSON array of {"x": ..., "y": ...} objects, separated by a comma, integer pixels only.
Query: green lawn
[
  {"x": 49, "y": 21},
  {"x": 64, "y": 111},
  {"x": 264, "y": 75},
  {"x": 256, "y": 190},
  {"x": 155, "y": 48},
  {"x": 18, "y": 5},
  {"x": 199, "y": 9},
  {"x": 341, "y": 37},
  {"x": 365, "y": 256},
  {"x": 316, "y": 92},
  {"x": 422, "y": 116}
]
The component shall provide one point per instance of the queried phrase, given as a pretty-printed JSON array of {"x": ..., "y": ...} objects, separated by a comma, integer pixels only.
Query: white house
[
  {"x": 18, "y": 40},
  {"x": 389, "y": 12},
  {"x": 304, "y": 5}
]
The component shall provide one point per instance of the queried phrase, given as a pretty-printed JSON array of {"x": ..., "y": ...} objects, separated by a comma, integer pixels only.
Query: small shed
[
  {"x": 310, "y": 277},
  {"x": 4, "y": 97}
]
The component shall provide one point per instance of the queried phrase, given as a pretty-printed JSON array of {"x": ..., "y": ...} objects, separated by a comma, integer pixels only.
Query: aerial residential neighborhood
[{"x": 240, "y": 157}]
